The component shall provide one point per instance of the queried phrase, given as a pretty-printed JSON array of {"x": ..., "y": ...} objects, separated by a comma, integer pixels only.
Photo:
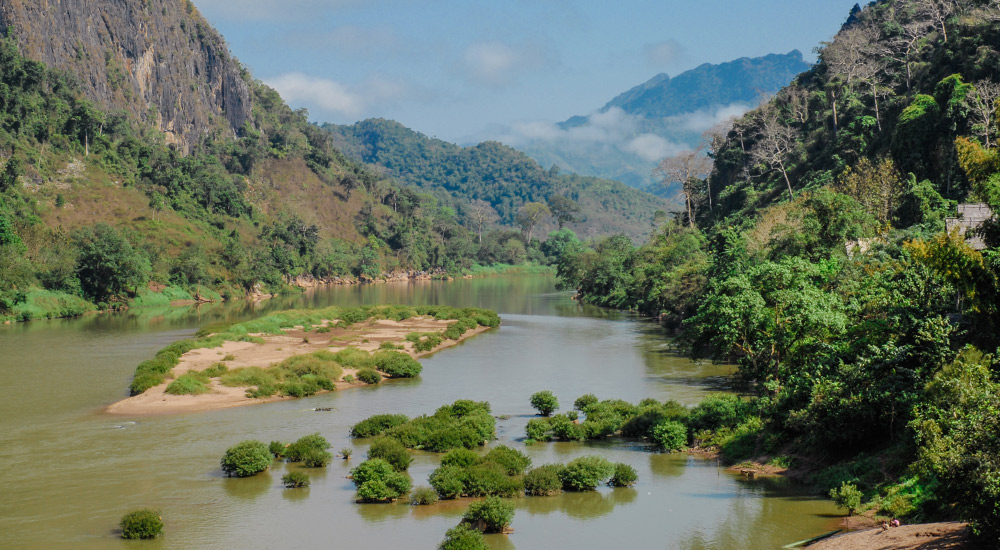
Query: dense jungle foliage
[
  {"x": 816, "y": 257},
  {"x": 97, "y": 210}
]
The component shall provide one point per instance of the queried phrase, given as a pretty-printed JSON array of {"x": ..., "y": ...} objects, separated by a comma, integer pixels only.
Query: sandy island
[{"x": 367, "y": 335}]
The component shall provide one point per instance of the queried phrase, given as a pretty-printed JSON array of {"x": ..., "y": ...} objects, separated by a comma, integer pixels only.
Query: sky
[{"x": 465, "y": 70}]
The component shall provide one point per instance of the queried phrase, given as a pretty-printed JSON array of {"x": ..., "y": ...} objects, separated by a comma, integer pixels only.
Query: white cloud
[
  {"x": 652, "y": 148},
  {"x": 702, "y": 120},
  {"x": 324, "y": 93},
  {"x": 495, "y": 64},
  {"x": 662, "y": 54}
]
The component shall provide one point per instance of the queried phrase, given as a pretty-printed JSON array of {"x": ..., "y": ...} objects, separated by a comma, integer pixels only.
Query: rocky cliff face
[{"x": 157, "y": 59}]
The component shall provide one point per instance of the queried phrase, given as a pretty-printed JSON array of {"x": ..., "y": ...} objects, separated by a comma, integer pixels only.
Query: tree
[
  {"x": 11, "y": 172},
  {"x": 544, "y": 402},
  {"x": 482, "y": 214},
  {"x": 984, "y": 109},
  {"x": 141, "y": 524},
  {"x": 689, "y": 168},
  {"x": 563, "y": 209},
  {"x": 936, "y": 12},
  {"x": 246, "y": 458},
  {"x": 847, "y": 496},
  {"x": 528, "y": 217},
  {"x": 775, "y": 141},
  {"x": 109, "y": 265},
  {"x": 463, "y": 537},
  {"x": 492, "y": 515}
]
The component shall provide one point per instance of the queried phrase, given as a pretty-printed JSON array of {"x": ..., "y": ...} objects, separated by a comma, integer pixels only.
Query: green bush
[
  {"x": 847, "y": 496},
  {"x": 316, "y": 458},
  {"x": 354, "y": 358},
  {"x": 586, "y": 473},
  {"x": 514, "y": 462},
  {"x": 295, "y": 480},
  {"x": 188, "y": 384},
  {"x": 277, "y": 449},
  {"x": 464, "y": 423},
  {"x": 565, "y": 429},
  {"x": 423, "y": 496},
  {"x": 369, "y": 376},
  {"x": 585, "y": 401},
  {"x": 378, "y": 424},
  {"x": 463, "y": 537},
  {"x": 349, "y": 378},
  {"x": 378, "y": 481},
  {"x": 461, "y": 457},
  {"x": 141, "y": 524},
  {"x": 216, "y": 370},
  {"x": 670, "y": 435},
  {"x": 346, "y": 452},
  {"x": 246, "y": 458},
  {"x": 391, "y": 451},
  {"x": 538, "y": 429},
  {"x": 396, "y": 364},
  {"x": 491, "y": 515},
  {"x": 376, "y": 490},
  {"x": 543, "y": 480},
  {"x": 448, "y": 481},
  {"x": 718, "y": 411},
  {"x": 488, "y": 478},
  {"x": 624, "y": 476},
  {"x": 306, "y": 447},
  {"x": 373, "y": 468},
  {"x": 544, "y": 402}
]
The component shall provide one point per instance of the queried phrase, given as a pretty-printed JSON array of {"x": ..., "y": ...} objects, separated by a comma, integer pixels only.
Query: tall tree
[
  {"x": 528, "y": 217},
  {"x": 482, "y": 214},
  {"x": 563, "y": 209},
  {"x": 689, "y": 168},
  {"x": 984, "y": 109},
  {"x": 775, "y": 141}
]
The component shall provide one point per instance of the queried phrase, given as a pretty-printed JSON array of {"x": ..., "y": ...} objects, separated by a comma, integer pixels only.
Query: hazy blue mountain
[{"x": 625, "y": 138}]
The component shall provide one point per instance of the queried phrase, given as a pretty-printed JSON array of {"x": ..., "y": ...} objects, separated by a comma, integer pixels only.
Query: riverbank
[
  {"x": 266, "y": 350},
  {"x": 921, "y": 536}
]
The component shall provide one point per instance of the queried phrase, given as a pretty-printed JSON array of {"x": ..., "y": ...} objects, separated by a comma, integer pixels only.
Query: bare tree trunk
[
  {"x": 878, "y": 120},
  {"x": 834, "y": 103},
  {"x": 788, "y": 182},
  {"x": 690, "y": 212}
]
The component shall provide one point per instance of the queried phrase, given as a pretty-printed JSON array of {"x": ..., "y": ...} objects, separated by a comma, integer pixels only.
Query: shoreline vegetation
[
  {"x": 296, "y": 353},
  {"x": 46, "y": 304}
]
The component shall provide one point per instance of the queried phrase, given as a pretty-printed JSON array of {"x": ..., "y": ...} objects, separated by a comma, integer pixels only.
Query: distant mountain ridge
[
  {"x": 660, "y": 116},
  {"x": 497, "y": 174}
]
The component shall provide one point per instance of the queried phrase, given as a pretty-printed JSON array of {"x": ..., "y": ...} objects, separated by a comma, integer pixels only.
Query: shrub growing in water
[
  {"x": 423, "y": 495},
  {"x": 670, "y": 435},
  {"x": 463, "y": 537},
  {"x": 586, "y": 473},
  {"x": 492, "y": 515},
  {"x": 391, "y": 451},
  {"x": 378, "y": 424},
  {"x": 514, "y": 462},
  {"x": 544, "y": 402},
  {"x": 448, "y": 481},
  {"x": 369, "y": 376},
  {"x": 141, "y": 524},
  {"x": 585, "y": 401},
  {"x": 624, "y": 476},
  {"x": 316, "y": 458},
  {"x": 543, "y": 480},
  {"x": 396, "y": 364},
  {"x": 277, "y": 449},
  {"x": 304, "y": 447},
  {"x": 378, "y": 481},
  {"x": 295, "y": 480},
  {"x": 461, "y": 457},
  {"x": 246, "y": 458}
]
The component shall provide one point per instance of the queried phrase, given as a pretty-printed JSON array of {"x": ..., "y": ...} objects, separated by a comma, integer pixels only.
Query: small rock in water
[{"x": 326, "y": 409}]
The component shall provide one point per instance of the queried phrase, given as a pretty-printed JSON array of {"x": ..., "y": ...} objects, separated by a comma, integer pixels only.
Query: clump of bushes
[
  {"x": 624, "y": 476},
  {"x": 492, "y": 515},
  {"x": 586, "y": 473},
  {"x": 544, "y": 402},
  {"x": 464, "y": 423},
  {"x": 543, "y": 481},
  {"x": 297, "y": 376},
  {"x": 141, "y": 524},
  {"x": 277, "y": 449},
  {"x": 464, "y": 473},
  {"x": 295, "y": 480},
  {"x": 463, "y": 537},
  {"x": 377, "y": 424},
  {"x": 191, "y": 383},
  {"x": 377, "y": 481},
  {"x": 424, "y": 341},
  {"x": 396, "y": 364},
  {"x": 369, "y": 376},
  {"x": 391, "y": 451},
  {"x": 311, "y": 450},
  {"x": 423, "y": 496},
  {"x": 670, "y": 435},
  {"x": 847, "y": 496},
  {"x": 246, "y": 458}
]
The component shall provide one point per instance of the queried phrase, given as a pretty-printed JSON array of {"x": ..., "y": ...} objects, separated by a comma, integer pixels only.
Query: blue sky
[{"x": 467, "y": 69}]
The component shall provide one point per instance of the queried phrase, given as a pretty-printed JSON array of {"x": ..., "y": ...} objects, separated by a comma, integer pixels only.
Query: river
[{"x": 68, "y": 471}]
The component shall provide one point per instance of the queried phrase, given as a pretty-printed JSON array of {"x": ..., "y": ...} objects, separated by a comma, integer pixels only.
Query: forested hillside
[
  {"x": 102, "y": 206},
  {"x": 816, "y": 257},
  {"x": 464, "y": 177}
]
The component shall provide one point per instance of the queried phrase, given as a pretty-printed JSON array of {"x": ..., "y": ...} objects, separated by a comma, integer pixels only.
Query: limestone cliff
[{"x": 157, "y": 59}]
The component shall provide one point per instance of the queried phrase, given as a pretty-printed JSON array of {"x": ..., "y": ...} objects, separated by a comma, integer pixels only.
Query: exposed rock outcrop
[{"x": 159, "y": 60}]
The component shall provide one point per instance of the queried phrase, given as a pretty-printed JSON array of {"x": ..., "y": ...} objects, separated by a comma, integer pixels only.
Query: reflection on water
[{"x": 69, "y": 471}]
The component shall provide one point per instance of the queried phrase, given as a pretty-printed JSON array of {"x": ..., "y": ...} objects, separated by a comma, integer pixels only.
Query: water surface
[{"x": 69, "y": 471}]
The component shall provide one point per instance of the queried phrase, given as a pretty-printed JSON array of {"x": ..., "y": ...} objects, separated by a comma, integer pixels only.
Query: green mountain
[
  {"x": 496, "y": 174},
  {"x": 138, "y": 154},
  {"x": 825, "y": 257},
  {"x": 659, "y": 117}
]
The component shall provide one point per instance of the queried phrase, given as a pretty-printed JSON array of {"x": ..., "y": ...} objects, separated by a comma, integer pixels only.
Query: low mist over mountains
[{"x": 625, "y": 138}]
